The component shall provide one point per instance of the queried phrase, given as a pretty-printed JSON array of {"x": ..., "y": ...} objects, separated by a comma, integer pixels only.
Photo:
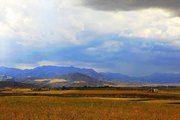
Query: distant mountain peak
[
  {"x": 55, "y": 71},
  {"x": 44, "y": 71}
]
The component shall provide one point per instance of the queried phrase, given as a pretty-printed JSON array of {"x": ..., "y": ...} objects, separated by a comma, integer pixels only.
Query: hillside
[
  {"x": 14, "y": 84},
  {"x": 43, "y": 72},
  {"x": 72, "y": 80},
  {"x": 52, "y": 72}
]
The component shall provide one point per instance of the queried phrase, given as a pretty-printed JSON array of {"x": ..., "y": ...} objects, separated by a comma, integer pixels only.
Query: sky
[{"x": 134, "y": 37}]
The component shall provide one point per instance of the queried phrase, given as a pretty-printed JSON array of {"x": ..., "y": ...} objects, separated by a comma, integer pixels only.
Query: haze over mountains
[{"x": 71, "y": 76}]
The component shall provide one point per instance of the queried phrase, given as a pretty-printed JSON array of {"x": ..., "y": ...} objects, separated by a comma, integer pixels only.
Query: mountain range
[{"x": 73, "y": 76}]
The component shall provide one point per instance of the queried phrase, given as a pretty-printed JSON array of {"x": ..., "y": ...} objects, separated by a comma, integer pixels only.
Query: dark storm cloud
[{"x": 127, "y": 5}]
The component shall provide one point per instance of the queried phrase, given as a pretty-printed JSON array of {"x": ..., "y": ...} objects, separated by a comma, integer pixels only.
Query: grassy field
[{"x": 23, "y": 105}]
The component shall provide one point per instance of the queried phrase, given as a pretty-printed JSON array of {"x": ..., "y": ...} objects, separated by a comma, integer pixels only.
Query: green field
[{"x": 22, "y": 107}]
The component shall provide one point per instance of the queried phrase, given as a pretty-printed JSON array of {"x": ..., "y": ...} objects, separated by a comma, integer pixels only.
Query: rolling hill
[
  {"x": 54, "y": 72},
  {"x": 14, "y": 84},
  {"x": 70, "y": 80}
]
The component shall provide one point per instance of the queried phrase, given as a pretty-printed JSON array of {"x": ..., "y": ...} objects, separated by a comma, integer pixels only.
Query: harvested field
[
  {"x": 23, "y": 104},
  {"x": 83, "y": 108}
]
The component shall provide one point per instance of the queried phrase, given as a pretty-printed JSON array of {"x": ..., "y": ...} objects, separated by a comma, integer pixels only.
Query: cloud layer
[
  {"x": 127, "y": 5},
  {"x": 134, "y": 41},
  {"x": 39, "y": 23}
]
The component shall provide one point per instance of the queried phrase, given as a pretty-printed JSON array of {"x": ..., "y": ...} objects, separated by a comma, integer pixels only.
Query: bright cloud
[{"x": 42, "y": 23}]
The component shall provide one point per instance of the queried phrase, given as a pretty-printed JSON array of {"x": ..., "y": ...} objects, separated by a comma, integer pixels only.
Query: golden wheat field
[{"x": 87, "y": 108}]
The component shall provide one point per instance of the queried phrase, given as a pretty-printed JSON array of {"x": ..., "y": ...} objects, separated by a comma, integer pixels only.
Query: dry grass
[
  {"x": 95, "y": 93},
  {"x": 17, "y": 90},
  {"x": 57, "y": 80},
  {"x": 41, "y": 80},
  {"x": 80, "y": 108},
  {"x": 51, "y": 80},
  {"x": 122, "y": 93}
]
